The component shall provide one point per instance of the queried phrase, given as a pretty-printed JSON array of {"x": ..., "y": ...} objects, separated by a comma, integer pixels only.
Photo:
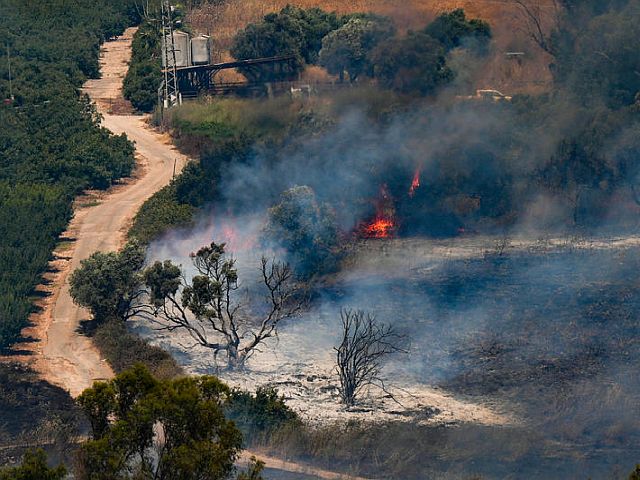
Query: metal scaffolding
[{"x": 169, "y": 90}]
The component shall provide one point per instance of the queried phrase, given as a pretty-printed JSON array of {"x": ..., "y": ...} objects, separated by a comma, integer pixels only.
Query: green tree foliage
[
  {"x": 292, "y": 31},
  {"x": 347, "y": 48},
  {"x": 635, "y": 475},
  {"x": 315, "y": 24},
  {"x": 415, "y": 63},
  {"x": 51, "y": 144},
  {"x": 162, "y": 211},
  {"x": 34, "y": 467},
  {"x": 144, "y": 428},
  {"x": 42, "y": 212},
  {"x": 140, "y": 85},
  {"x": 307, "y": 229},
  {"x": 453, "y": 29},
  {"x": 259, "y": 414},
  {"x": 108, "y": 284}
]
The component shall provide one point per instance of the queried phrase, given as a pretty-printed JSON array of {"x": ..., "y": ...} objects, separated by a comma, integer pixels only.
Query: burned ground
[{"x": 34, "y": 413}]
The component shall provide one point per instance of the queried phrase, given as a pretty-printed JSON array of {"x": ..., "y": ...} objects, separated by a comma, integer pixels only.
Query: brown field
[{"x": 530, "y": 74}]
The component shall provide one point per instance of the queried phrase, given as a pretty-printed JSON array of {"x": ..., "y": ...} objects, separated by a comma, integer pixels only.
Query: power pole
[
  {"x": 170, "y": 86},
  {"x": 9, "y": 68}
]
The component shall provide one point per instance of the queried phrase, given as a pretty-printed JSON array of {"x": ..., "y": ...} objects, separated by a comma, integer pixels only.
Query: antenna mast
[{"x": 170, "y": 86}]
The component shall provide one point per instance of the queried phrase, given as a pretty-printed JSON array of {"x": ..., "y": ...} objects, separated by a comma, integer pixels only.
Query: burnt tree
[
  {"x": 210, "y": 307},
  {"x": 365, "y": 344}
]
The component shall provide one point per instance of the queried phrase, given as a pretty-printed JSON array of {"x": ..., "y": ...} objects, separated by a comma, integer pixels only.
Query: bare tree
[
  {"x": 365, "y": 344},
  {"x": 539, "y": 18},
  {"x": 210, "y": 307}
]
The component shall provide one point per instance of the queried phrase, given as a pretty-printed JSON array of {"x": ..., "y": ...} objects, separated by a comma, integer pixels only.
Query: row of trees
[
  {"x": 360, "y": 44},
  {"x": 51, "y": 143},
  {"x": 140, "y": 85},
  {"x": 349, "y": 46}
]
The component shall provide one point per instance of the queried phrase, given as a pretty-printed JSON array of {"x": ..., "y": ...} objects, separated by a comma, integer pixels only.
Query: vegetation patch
[{"x": 51, "y": 144}]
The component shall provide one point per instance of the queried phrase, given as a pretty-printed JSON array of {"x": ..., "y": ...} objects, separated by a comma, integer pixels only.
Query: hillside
[{"x": 529, "y": 74}]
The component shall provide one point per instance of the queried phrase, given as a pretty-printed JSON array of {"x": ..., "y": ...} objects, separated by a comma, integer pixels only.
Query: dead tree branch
[
  {"x": 534, "y": 17},
  {"x": 359, "y": 357}
]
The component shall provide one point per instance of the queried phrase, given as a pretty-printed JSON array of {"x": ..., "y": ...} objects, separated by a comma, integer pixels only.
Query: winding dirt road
[
  {"x": 57, "y": 350},
  {"x": 63, "y": 356}
]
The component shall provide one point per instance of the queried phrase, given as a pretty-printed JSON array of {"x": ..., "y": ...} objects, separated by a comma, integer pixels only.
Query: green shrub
[
  {"x": 123, "y": 350},
  {"x": 293, "y": 31},
  {"x": 140, "y": 85},
  {"x": 34, "y": 467},
  {"x": 260, "y": 414},
  {"x": 453, "y": 29},
  {"x": 160, "y": 213},
  {"x": 307, "y": 230}
]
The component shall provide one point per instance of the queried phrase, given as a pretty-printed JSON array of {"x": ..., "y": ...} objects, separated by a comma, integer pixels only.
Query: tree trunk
[{"x": 235, "y": 359}]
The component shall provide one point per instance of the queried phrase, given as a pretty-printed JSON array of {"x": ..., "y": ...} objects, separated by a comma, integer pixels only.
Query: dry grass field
[{"x": 529, "y": 74}]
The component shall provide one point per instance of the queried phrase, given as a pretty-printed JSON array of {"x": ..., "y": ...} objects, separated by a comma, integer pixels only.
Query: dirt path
[
  {"x": 62, "y": 355},
  {"x": 293, "y": 467}
]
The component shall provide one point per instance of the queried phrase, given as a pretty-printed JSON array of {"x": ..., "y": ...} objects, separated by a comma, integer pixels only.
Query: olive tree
[
  {"x": 452, "y": 29},
  {"x": 210, "y": 306}
]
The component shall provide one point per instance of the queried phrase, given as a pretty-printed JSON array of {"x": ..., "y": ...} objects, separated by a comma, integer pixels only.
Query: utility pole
[
  {"x": 170, "y": 86},
  {"x": 9, "y": 68}
]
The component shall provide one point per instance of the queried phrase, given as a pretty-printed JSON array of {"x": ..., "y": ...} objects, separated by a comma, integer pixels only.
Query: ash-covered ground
[{"x": 538, "y": 334}]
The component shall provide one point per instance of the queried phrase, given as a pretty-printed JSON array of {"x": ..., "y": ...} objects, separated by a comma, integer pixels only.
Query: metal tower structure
[{"x": 171, "y": 94}]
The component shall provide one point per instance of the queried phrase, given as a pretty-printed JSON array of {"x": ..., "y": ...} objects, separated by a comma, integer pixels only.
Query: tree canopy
[
  {"x": 347, "y": 48},
  {"x": 415, "y": 63},
  {"x": 144, "y": 428},
  {"x": 108, "y": 284},
  {"x": 453, "y": 29},
  {"x": 596, "y": 58},
  {"x": 292, "y": 31},
  {"x": 210, "y": 308}
]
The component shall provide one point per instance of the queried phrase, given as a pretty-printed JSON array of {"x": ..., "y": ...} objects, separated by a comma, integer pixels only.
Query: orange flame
[
  {"x": 415, "y": 184},
  {"x": 379, "y": 228},
  {"x": 383, "y": 225}
]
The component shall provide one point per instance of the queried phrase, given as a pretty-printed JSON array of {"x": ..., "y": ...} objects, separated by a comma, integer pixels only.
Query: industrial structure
[
  {"x": 187, "y": 68},
  {"x": 168, "y": 93}
]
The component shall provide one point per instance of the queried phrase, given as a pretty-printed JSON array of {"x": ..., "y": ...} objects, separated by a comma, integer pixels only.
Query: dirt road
[
  {"x": 293, "y": 467},
  {"x": 62, "y": 355}
]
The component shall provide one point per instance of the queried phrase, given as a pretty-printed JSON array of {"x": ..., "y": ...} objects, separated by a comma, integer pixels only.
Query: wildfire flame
[
  {"x": 379, "y": 228},
  {"x": 415, "y": 183},
  {"x": 383, "y": 225}
]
